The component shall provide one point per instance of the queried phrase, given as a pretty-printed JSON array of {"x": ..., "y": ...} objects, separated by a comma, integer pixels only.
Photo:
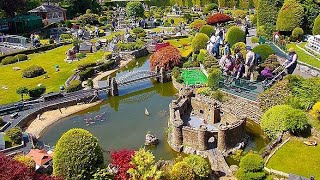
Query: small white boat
[{"x": 146, "y": 112}]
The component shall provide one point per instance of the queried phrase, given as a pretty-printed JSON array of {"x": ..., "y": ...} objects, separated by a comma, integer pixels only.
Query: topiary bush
[
  {"x": 37, "y": 91},
  {"x": 254, "y": 40},
  {"x": 290, "y": 15},
  {"x": 251, "y": 168},
  {"x": 77, "y": 155},
  {"x": 207, "y": 29},
  {"x": 197, "y": 24},
  {"x": 234, "y": 35},
  {"x": 218, "y": 18},
  {"x": 200, "y": 166},
  {"x": 316, "y": 26},
  {"x": 21, "y": 57},
  {"x": 182, "y": 171},
  {"x": 297, "y": 34},
  {"x": 199, "y": 42},
  {"x": 137, "y": 30},
  {"x": 9, "y": 60},
  {"x": 210, "y": 7},
  {"x": 214, "y": 78},
  {"x": 33, "y": 71},
  {"x": 74, "y": 85},
  {"x": 264, "y": 50},
  {"x": 271, "y": 62}
]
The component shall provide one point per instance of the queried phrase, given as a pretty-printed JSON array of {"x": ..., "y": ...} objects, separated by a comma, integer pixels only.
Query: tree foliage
[
  {"x": 267, "y": 12},
  {"x": 264, "y": 50},
  {"x": 135, "y": 9},
  {"x": 297, "y": 34},
  {"x": 234, "y": 35},
  {"x": 80, "y": 6},
  {"x": 251, "y": 168},
  {"x": 290, "y": 16},
  {"x": 15, "y": 135},
  {"x": 22, "y": 91},
  {"x": 122, "y": 159},
  {"x": 218, "y": 18},
  {"x": 27, "y": 161},
  {"x": 144, "y": 167},
  {"x": 311, "y": 11},
  {"x": 182, "y": 171},
  {"x": 77, "y": 155},
  {"x": 197, "y": 24},
  {"x": 214, "y": 78},
  {"x": 200, "y": 166},
  {"x": 199, "y": 42},
  {"x": 207, "y": 29},
  {"x": 166, "y": 57},
  {"x": 316, "y": 26}
]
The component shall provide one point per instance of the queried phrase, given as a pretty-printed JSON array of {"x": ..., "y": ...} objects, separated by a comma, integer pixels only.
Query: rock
[
  {"x": 151, "y": 140},
  {"x": 314, "y": 73}
]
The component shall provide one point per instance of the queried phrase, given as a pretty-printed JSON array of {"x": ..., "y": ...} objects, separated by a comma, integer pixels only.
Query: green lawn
[
  {"x": 185, "y": 52},
  {"x": 304, "y": 57},
  {"x": 295, "y": 157},
  {"x": 193, "y": 77},
  {"x": 13, "y": 79}
]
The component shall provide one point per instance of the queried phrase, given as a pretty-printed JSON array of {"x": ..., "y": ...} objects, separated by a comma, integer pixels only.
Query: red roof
[{"x": 40, "y": 156}]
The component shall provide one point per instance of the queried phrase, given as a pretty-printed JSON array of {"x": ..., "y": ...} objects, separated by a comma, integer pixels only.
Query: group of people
[{"x": 216, "y": 41}]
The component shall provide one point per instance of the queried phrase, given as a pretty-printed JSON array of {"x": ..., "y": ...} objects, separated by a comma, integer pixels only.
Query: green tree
[
  {"x": 297, "y": 34},
  {"x": 214, "y": 78},
  {"x": 199, "y": 42},
  {"x": 37, "y": 91},
  {"x": 76, "y": 7},
  {"x": 22, "y": 91},
  {"x": 311, "y": 11},
  {"x": 267, "y": 12},
  {"x": 182, "y": 171},
  {"x": 264, "y": 50},
  {"x": 10, "y": 7},
  {"x": 251, "y": 168},
  {"x": 15, "y": 135},
  {"x": 200, "y": 166},
  {"x": 234, "y": 35},
  {"x": 143, "y": 162},
  {"x": 134, "y": 9},
  {"x": 244, "y": 4},
  {"x": 77, "y": 155},
  {"x": 290, "y": 16},
  {"x": 207, "y": 29},
  {"x": 316, "y": 26}
]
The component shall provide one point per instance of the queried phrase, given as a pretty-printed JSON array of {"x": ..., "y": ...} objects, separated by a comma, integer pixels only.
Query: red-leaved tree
[
  {"x": 11, "y": 169},
  {"x": 218, "y": 18},
  {"x": 166, "y": 57},
  {"x": 121, "y": 159}
]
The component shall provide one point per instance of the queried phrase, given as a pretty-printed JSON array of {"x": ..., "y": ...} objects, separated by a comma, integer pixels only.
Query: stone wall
[
  {"x": 208, "y": 110},
  {"x": 229, "y": 135}
]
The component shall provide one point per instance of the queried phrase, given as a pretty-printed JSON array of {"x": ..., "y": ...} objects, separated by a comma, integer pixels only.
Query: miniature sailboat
[
  {"x": 137, "y": 64},
  {"x": 146, "y": 112}
]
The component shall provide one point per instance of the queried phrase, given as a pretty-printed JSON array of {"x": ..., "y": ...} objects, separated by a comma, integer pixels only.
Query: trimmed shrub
[
  {"x": 254, "y": 40},
  {"x": 290, "y": 15},
  {"x": 239, "y": 14},
  {"x": 9, "y": 60},
  {"x": 267, "y": 13},
  {"x": 137, "y": 30},
  {"x": 197, "y": 24},
  {"x": 251, "y": 168},
  {"x": 282, "y": 118},
  {"x": 103, "y": 19},
  {"x": 214, "y": 78},
  {"x": 68, "y": 23},
  {"x": 21, "y": 57},
  {"x": 315, "y": 111},
  {"x": 87, "y": 73},
  {"x": 77, "y": 155},
  {"x": 33, "y": 71},
  {"x": 15, "y": 135},
  {"x": 84, "y": 66},
  {"x": 234, "y": 35},
  {"x": 37, "y": 91},
  {"x": 207, "y": 29},
  {"x": 244, "y": 4},
  {"x": 166, "y": 57},
  {"x": 218, "y": 18},
  {"x": 200, "y": 166},
  {"x": 199, "y": 42},
  {"x": 75, "y": 85},
  {"x": 182, "y": 171},
  {"x": 316, "y": 26},
  {"x": 106, "y": 66},
  {"x": 264, "y": 50},
  {"x": 65, "y": 36},
  {"x": 297, "y": 34},
  {"x": 271, "y": 62}
]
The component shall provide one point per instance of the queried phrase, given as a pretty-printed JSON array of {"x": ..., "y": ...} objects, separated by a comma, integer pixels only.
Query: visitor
[
  {"x": 238, "y": 72},
  {"x": 210, "y": 47},
  {"x": 249, "y": 65},
  {"x": 266, "y": 73},
  {"x": 226, "y": 49},
  {"x": 227, "y": 64},
  {"x": 238, "y": 54},
  {"x": 292, "y": 61}
]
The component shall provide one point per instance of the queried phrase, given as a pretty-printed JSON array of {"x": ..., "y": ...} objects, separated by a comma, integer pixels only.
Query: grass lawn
[
  {"x": 297, "y": 158},
  {"x": 193, "y": 77},
  {"x": 304, "y": 57},
  {"x": 13, "y": 79},
  {"x": 185, "y": 52}
]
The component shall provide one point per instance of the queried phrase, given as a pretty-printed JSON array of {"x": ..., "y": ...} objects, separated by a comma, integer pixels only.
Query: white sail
[{"x": 146, "y": 112}]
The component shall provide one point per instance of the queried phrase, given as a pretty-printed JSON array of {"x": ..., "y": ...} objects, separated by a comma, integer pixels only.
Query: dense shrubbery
[
  {"x": 316, "y": 26},
  {"x": 37, "y": 91},
  {"x": 121, "y": 159},
  {"x": 84, "y": 66},
  {"x": 14, "y": 59},
  {"x": 271, "y": 62},
  {"x": 315, "y": 111},
  {"x": 239, "y": 14},
  {"x": 166, "y": 57},
  {"x": 199, "y": 165},
  {"x": 251, "y": 168},
  {"x": 207, "y": 29},
  {"x": 33, "y": 71},
  {"x": 130, "y": 46},
  {"x": 87, "y": 73},
  {"x": 27, "y": 161},
  {"x": 214, "y": 78},
  {"x": 234, "y": 35},
  {"x": 254, "y": 40},
  {"x": 77, "y": 155},
  {"x": 264, "y": 50},
  {"x": 75, "y": 85},
  {"x": 297, "y": 34},
  {"x": 199, "y": 42},
  {"x": 15, "y": 135},
  {"x": 290, "y": 15},
  {"x": 134, "y": 9},
  {"x": 106, "y": 66},
  {"x": 267, "y": 12},
  {"x": 89, "y": 18},
  {"x": 197, "y": 24},
  {"x": 282, "y": 118},
  {"x": 137, "y": 30},
  {"x": 65, "y": 36},
  {"x": 182, "y": 171},
  {"x": 210, "y": 7},
  {"x": 218, "y": 18}
]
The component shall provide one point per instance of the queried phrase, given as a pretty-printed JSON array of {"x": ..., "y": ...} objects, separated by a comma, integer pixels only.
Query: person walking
[
  {"x": 249, "y": 64},
  {"x": 292, "y": 61}
]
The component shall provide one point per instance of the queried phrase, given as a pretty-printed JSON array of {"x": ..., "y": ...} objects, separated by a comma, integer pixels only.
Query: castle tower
[
  {"x": 216, "y": 113},
  {"x": 114, "y": 87},
  {"x": 202, "y": 143},
  {"x": 177, "y": 138},
  {"x": 222, "y": 135}
]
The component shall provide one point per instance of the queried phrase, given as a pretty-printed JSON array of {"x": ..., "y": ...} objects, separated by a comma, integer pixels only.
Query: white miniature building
[{"x": 314, "y": 43}]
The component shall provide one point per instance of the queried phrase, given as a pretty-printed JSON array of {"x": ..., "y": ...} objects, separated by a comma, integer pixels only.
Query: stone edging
[{"x": 275, "y": 150}]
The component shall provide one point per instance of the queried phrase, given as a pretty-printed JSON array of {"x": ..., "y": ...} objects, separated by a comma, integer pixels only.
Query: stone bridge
[{"x": 112, "y": 84}]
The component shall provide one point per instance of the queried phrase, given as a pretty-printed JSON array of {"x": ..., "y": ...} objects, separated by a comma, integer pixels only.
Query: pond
[{"x": 120, "y": 123}]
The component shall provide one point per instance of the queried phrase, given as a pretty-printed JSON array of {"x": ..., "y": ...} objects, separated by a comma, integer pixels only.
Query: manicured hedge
[
  {"x": 87, "y": 73},
  {"x": 75, "y": 85},
  {"x": 234, "y": 35},
  {"x": 264, "y": 50},
  {"x": 106, "y": 66},
  {"x": 14, "y": 59},
  {"x": 33, "y": 71},
  {"x": 207, "y": 29},
  {"x": 84, "y": 66},
  {"x": 37, "y": 91},
  {"x": 290, "y": 16},
  {"x": 297, "y": 34}
]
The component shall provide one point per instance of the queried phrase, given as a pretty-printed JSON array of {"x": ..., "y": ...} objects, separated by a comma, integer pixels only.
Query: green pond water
[{"x": 120, "y": 123}]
